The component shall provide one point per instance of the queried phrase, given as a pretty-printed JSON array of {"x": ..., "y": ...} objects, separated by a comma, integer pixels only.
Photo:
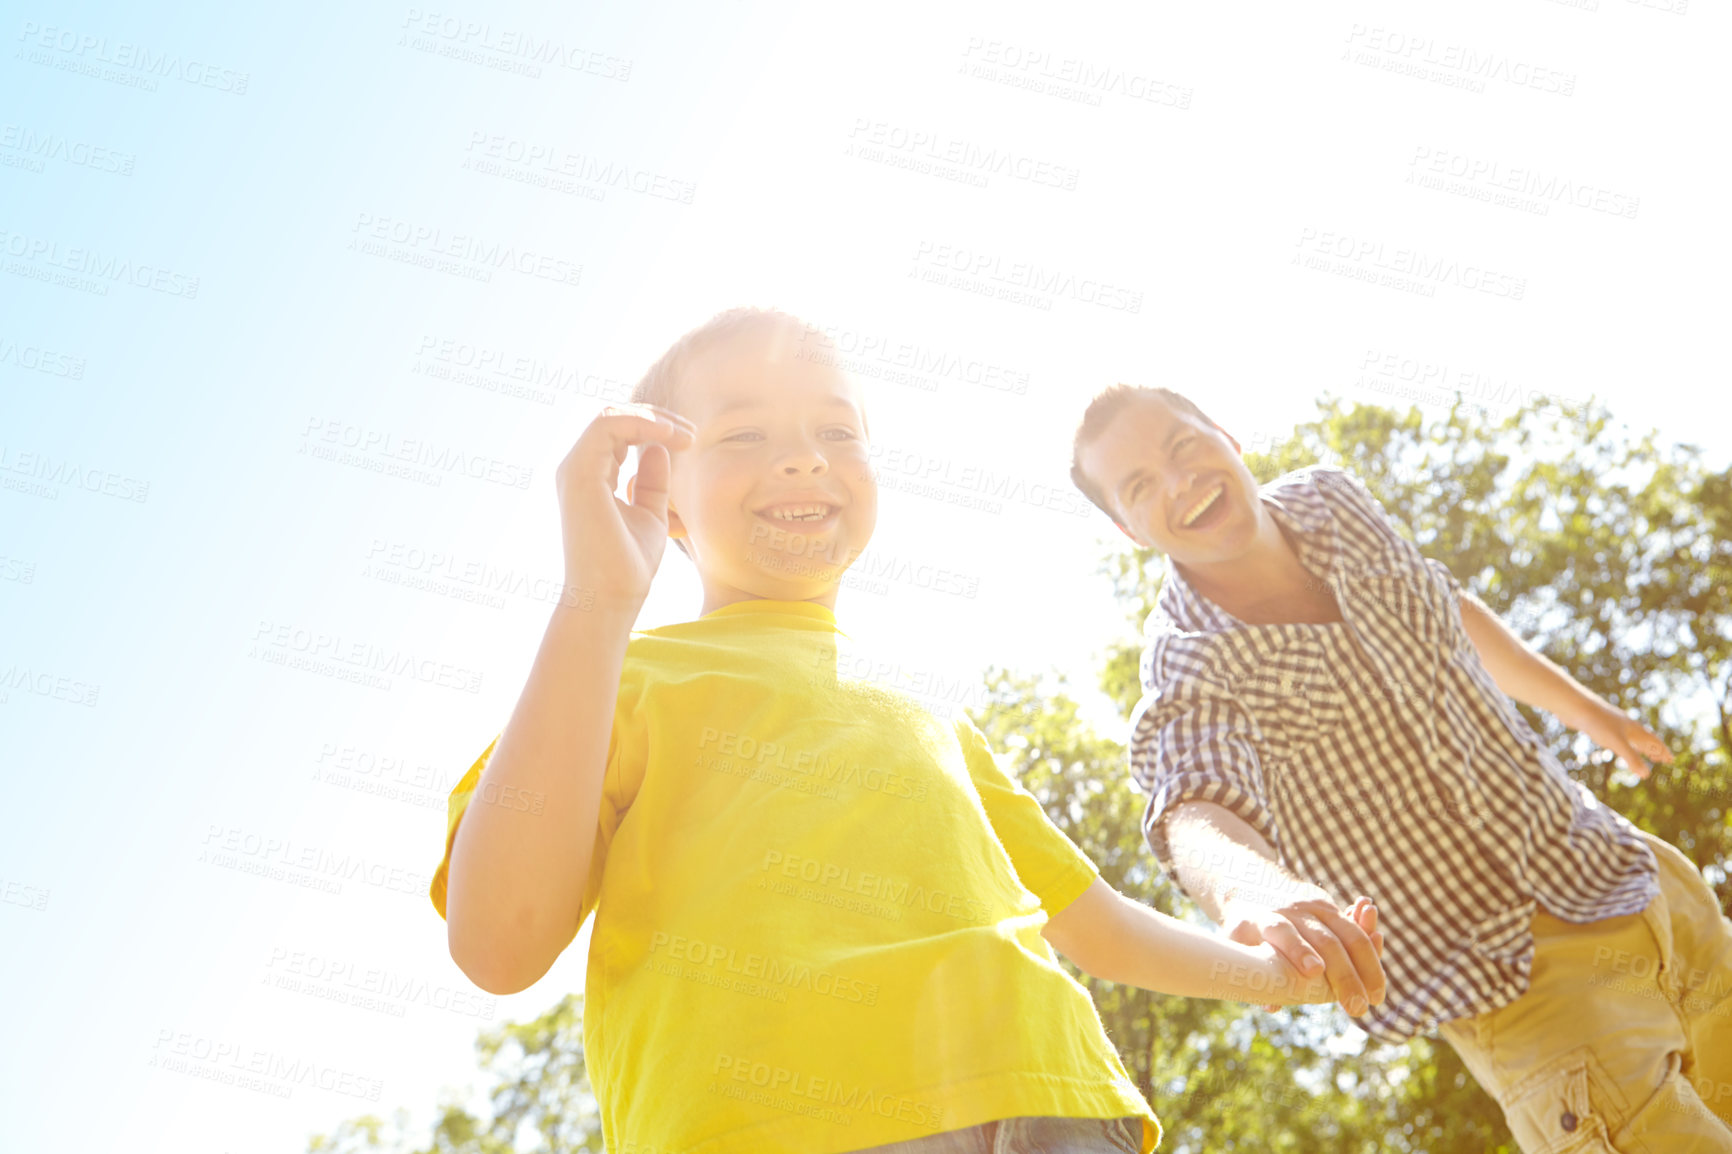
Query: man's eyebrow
[
  {"x": 1134, "y": 475},
  {"x": 1173, "y": 430}
]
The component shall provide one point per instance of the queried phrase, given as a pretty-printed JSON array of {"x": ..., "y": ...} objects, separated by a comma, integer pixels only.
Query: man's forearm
[
  {"x": 1230, "y": 870},
  {"x": 1217, "y": 855},
  {"x": 1519, "y": 671}
]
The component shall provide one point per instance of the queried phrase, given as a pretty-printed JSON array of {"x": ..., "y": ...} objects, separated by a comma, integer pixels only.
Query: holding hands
[{"x": 1322, "y": 952}]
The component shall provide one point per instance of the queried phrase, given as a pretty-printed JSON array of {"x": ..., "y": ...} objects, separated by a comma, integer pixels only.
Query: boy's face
[
  {"x": 775, "y": 497},
  {"x": 1175, "y": 482}
]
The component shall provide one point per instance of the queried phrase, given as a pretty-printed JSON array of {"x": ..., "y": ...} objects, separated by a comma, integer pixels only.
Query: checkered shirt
[{"x": 1377, "y": 756}]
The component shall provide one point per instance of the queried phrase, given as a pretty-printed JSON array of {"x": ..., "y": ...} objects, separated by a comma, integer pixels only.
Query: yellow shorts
[{"x": 1623, "y": 1042}]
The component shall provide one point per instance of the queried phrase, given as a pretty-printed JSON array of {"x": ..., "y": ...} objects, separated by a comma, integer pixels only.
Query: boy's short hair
[
  {"x": 660, "y": 384},
  {"x": 1106, "y": 405}
]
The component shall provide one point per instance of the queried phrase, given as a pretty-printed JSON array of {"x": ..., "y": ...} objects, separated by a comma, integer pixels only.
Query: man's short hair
[{"x": 1108, "y": 403}]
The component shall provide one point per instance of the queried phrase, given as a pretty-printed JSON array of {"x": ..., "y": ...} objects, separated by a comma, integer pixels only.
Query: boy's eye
[
  {"x": 842, "y": 433},
  {"x": 747, "y": 435}
]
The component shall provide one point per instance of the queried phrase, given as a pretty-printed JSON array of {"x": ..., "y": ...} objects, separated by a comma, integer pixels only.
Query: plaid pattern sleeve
[{"x": 1191, "y": 741}]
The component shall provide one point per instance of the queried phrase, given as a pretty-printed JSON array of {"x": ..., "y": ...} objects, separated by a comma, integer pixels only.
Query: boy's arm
[
  {"x": 516, "y": 882},
  {"x": 1532, "y": 679},
  {"x": 1119, "y": 940},
  {"x": 1115, "y": 939}
]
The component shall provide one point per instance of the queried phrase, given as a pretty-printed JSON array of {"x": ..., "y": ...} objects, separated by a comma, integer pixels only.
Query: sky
[{"x": 301, "y": 307}]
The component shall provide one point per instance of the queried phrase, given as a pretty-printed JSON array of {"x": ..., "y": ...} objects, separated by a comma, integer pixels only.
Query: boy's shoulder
[
  {"x": 676, "y": 647},
  {"x": 724, "y": 632},
  {"x": 670, "y": 652},
  {"x": 795, "y": 660},
  {"x": 764, "y": 646}
]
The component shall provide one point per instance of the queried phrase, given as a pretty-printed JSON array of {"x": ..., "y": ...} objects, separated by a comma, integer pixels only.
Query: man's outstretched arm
[{"x": 1532, "y": 679}]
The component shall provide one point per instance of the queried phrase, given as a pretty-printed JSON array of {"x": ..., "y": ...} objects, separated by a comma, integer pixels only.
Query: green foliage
[
  {"x": 1609, "y": 553},
  {"x": 540, "y": 1093}
]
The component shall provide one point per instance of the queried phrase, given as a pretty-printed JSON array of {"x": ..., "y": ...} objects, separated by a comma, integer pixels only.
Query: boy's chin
[
  {"x": 824, "y": 556},
  {"x": 768, "y": 588},
  {"x": 786, "y": 576}
]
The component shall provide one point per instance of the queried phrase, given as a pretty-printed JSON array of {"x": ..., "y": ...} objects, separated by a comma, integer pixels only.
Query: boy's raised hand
[{"x": 612, "y": 547}]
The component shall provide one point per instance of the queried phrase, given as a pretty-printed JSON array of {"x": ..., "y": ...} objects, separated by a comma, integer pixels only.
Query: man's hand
[
  {"x": 1633, "y": 742},
  {"x": 1316, "y": 937}
]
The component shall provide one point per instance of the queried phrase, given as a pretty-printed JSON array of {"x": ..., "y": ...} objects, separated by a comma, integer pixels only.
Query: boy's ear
[
  {"x": 1231, "y": 440},
  {"x": 1129, "y": 534}
]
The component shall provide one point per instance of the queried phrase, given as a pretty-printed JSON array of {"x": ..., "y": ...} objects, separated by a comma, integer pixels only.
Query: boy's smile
[
  {"x": 775, "y": 497},
  {"x": 813, "y": 511}
]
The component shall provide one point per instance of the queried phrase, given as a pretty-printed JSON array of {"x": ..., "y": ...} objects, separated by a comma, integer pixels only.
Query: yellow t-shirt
[{"x": 818, "y": 909}]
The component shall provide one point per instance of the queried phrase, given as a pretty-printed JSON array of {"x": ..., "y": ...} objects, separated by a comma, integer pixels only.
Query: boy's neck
[
  {"x": 1267, "y": 584},
  {"x": 717, "y": 595}
]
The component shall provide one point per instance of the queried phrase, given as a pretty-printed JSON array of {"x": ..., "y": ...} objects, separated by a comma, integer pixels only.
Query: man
[{"x": 1325, "y": 713}]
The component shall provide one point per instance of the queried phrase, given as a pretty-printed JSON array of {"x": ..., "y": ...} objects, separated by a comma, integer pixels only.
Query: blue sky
[{"x": 301, "y": 307}]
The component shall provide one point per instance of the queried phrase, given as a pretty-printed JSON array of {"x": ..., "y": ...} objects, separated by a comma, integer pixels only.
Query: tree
[
  {"x": 1610, "y": 553},
  {"x": 540, "y": 1092}
]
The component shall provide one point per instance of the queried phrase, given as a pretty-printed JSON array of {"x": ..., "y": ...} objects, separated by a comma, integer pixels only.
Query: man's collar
[{"x": 1293, "y": 500}]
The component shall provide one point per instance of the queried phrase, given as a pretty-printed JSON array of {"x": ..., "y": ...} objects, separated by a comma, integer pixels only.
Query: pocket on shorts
[
  {"x": 1554, "y": 1111},
  {"x": 1675, "y": 1110}
]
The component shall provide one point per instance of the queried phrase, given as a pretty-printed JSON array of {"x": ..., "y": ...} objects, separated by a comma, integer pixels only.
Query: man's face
[
  {"x": 775, "y": 497},
  {"x": 1175, "y": 482}
]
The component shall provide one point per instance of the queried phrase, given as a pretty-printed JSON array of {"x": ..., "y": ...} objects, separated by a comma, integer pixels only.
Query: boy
[
  {"x": 822, "y": 915},
  {"x": 1325, "y": 711}
]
